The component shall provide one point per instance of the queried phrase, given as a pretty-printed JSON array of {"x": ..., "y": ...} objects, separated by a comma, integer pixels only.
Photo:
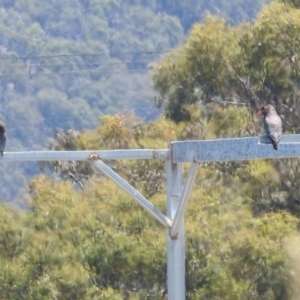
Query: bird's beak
[{"x": 259, "y": 112}]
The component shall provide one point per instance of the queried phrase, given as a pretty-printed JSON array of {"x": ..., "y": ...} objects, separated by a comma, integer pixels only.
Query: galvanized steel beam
[
  {"x": 247, "y": 148},
  {"x": 83, "y": 155},
  {"x": 123, "y": 184},
  {"x": 175, "y": 247},
  {"x": 188, "y": 186}
]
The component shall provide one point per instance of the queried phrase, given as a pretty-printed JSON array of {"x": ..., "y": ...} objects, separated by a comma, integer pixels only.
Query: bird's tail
[{"x": 275, "y": 145}]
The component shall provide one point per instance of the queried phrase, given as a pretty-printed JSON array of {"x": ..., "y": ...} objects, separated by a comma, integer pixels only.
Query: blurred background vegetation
[{"x": 124, "y": 74}]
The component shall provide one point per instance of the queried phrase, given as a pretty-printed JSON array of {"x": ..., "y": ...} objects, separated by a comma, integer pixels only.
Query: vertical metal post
[
  {"x": 188, "y": 185},
  {"x": 175, "y": 247}
]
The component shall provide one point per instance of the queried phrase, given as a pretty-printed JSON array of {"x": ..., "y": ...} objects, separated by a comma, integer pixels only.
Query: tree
[
  {"x": 253, "y": 64},
  {"x": 97, "y": 242}
]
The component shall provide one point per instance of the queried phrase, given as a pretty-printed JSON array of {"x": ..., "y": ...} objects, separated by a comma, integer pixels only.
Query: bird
[
  {"x": 2, "y": 138},
  {"x": 272, "y": 124}
]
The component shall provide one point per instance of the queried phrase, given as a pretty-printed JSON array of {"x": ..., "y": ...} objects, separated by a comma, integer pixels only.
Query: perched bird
[
  {"x": 2, "y": 138},
  {"x": 272, "y": 124}
]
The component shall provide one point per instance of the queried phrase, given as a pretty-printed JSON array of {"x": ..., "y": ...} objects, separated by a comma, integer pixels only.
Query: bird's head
[{"x": 266, "y": 109}]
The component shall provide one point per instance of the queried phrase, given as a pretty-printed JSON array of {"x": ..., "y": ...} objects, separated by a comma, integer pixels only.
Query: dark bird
[
  {"x": 272, "y": 124},
  {"x": 2, "y": 138}
]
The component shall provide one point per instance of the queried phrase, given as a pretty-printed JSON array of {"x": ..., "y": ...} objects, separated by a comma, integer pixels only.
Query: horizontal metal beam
[
  {"x": 83, "y": 155},
  {"x": 235, "y": 149},
  {"x": 193, "y": 171},
  {"x": 154, "y": 211}
]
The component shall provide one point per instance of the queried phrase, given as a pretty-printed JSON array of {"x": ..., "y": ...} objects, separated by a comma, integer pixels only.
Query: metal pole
[
  {"x": 184, "y": 199},
  {"x": 233, "y": 149},
  {"x": 84, "y": 155},
  {"x": 175, "y": 247},
  {"x": 123, "y": 184}
]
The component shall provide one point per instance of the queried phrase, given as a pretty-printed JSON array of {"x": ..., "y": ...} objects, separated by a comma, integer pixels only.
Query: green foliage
[
  {"x": 198, "y": 69},
  {"x": 97, "y": 243},
  {"x": 248, "y": 223},
  {"x": 294, "y": 3},
  {"x": 250, "y": 64}
]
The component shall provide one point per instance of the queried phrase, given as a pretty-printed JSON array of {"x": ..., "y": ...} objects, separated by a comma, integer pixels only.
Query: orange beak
[{"x": 260, "y": 112}]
